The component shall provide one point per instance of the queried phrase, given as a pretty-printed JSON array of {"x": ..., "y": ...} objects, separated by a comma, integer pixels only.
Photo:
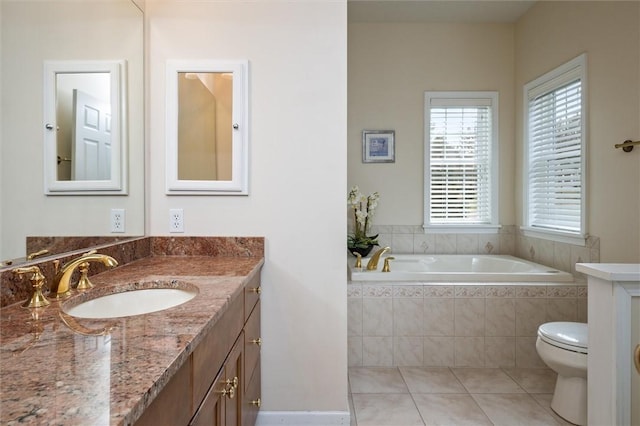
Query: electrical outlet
[
  {"x": 117, "y": 220},
  {"x": 176, "y": 220}
]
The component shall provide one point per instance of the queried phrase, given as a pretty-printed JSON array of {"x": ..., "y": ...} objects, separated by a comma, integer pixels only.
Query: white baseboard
[{"x": 303, "y": 418}]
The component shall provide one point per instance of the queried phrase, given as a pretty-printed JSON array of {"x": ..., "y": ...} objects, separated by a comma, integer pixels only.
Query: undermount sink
[{"x": 131, "y": 302}]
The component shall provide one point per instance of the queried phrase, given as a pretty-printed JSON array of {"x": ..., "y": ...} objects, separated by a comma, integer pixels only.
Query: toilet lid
[{"x": 567, "y": 335}]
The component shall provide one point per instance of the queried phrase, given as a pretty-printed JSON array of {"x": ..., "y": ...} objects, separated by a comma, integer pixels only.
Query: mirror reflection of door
[
  {"x": 83, "y": 153},
  {"x": 91, "y": 150},
  {"x": 205, "y": 129}
]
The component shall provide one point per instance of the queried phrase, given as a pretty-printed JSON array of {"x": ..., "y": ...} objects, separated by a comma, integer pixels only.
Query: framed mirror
[
  {"x": 35, "y": 32},
  {"x": 207, "y": 128},
  {"x": 85, "y": 140}
]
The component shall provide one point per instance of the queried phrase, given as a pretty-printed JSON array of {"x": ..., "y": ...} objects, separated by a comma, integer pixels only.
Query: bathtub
[{"x": 457, "y": 268}]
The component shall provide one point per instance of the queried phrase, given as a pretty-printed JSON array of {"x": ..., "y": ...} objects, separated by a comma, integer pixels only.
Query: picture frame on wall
[{"x": 378, "y": 146}]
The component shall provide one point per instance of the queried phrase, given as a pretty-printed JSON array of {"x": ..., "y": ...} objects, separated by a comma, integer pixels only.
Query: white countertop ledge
[{"x": 611, "y": 271}]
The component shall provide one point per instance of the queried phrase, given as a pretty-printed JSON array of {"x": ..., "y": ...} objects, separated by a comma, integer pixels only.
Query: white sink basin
[{"x": 133, "y": 302}]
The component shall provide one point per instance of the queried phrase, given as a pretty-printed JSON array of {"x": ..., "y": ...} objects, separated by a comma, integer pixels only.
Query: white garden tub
[{"x": 457, "y": 268}]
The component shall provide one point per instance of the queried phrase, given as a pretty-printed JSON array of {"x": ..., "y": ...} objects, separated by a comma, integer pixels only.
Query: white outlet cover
[
  {"x": 117, "y": 220},
  {"x": 176, "y": 220}
]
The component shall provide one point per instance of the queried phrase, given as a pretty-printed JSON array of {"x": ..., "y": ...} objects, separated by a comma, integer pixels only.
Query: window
[
  {"x": 554, "y": 140},
  {"x": 461, "y": 161}
]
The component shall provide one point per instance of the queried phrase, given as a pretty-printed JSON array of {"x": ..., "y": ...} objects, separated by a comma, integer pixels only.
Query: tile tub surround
[
  {"x": 15, "y": 289},
  {"x": 51, "y": 374},
  {"x": 446, "y": 325}
]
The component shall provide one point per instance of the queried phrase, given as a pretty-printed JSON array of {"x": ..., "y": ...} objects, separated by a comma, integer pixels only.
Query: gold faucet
[
  {"x": 373, "y": 262},
  {"x": 61, "y": 285},
  {"x": 386, "y": 267},
  {"x": 358, "y": 264}
]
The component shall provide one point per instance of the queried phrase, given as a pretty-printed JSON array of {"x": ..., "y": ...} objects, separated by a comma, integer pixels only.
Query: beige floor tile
[
  {"x": 376, "y": 380},
  {"x": 431, "y": 380},
  {"x": 513, "y": 409},
  {"x": 386, "y": 410},
  {"x": 450, "y": 409},
  {"x": 486, "y": 380},
  {"x": 534, "y": 380},
  {"x": 544, "y": 399}
]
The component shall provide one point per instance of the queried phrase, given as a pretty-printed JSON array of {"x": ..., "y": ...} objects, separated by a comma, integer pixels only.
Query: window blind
[
  {"x": 555, "y": 158},
  {"x": 460, "y": 167}
]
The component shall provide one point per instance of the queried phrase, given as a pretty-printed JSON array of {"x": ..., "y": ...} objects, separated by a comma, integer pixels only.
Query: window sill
[
  {"x": 461, "y": 229},
  {"x": 560, "y": 237}
]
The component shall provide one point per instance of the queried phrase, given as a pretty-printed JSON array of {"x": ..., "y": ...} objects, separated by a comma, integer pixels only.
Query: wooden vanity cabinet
[{"x": 219, "y": 384}]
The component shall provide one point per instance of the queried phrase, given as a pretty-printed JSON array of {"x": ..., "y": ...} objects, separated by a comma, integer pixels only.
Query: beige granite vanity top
[{"x": 52, "y": 374}]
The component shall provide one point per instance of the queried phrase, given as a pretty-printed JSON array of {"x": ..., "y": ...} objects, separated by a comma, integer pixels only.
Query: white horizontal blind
[
  {"x": 555, "y": 141},
  {"x": 459, "y": 163}
]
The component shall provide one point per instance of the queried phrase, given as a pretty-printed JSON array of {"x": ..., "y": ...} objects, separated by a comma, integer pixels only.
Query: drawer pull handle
[
  {"x": 257, "y": 341},
  {"x": 256, "y": 402},
  {"x": 256, "y": 290},
  {"x": 229, "y": 393},
  {"x": 233, "y": 383}
]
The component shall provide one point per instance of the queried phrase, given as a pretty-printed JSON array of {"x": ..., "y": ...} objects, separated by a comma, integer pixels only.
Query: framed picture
[{"x": 378, "y": 146}]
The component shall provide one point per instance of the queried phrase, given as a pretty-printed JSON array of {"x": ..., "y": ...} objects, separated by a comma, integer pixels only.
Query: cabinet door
[
  {"x": 211, "y": 412},
  {"x": 252, "y": 399},
  {"x": 252, "y": 344},
  {"x": 235, "y": 377}
]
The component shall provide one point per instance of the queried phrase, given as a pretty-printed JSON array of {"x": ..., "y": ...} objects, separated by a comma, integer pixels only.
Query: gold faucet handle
[
  {"x": 386, "y": 267},
  {"x": 37, "y": 299},
  {"x": 32, "y": 256},
  {"x": 83, "y": 282},
  {"x": 358, "y": 264}
]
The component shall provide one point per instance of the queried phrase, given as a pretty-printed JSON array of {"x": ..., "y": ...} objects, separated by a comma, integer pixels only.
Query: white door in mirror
[{"x": 63, "y": 80}]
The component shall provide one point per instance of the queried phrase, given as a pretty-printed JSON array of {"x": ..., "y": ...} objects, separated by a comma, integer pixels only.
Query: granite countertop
[{"x": 52, "y": 372}]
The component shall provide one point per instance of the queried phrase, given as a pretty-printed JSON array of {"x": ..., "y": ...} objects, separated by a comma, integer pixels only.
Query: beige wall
[
  {"x": 297, "y": 57},
  {"x": 391, "y": 65},
  {"x": 552, "y": 33}
]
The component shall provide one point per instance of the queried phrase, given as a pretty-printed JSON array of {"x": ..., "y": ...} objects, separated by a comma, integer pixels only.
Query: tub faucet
[
  {"x": 61, "y": 285},
  {"x": 373, "y": 262}
]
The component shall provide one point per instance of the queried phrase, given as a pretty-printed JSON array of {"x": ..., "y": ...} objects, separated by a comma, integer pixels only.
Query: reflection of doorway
[{"x": 91, "y": 146}]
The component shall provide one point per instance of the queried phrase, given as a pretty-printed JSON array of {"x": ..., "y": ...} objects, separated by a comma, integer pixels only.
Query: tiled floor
[{"x": 408, "y": 396}]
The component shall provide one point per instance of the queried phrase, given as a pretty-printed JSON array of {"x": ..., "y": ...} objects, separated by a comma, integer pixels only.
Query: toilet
[{"x": 563, "y": 347}]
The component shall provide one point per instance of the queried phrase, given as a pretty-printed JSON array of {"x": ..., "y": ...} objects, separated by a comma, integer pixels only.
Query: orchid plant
[{"x": 363, "y": 208}]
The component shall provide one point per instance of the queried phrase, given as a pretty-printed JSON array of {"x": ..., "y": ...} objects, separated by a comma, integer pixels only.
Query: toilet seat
[{"x": 572, "y": 336}]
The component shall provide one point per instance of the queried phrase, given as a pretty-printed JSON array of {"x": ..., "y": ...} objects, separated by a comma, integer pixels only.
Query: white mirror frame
[
  {"x": 239, "y": 183},
  {"x": 117, "y": 184}
]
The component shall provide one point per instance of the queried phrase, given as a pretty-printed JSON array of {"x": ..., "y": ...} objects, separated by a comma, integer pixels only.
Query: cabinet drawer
[
  {"x": 252, "y": 342},
  {"x": 209, "y": 355},
  {"x": 252, "y": 399},
  {"x": 251, "y": 295}
]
